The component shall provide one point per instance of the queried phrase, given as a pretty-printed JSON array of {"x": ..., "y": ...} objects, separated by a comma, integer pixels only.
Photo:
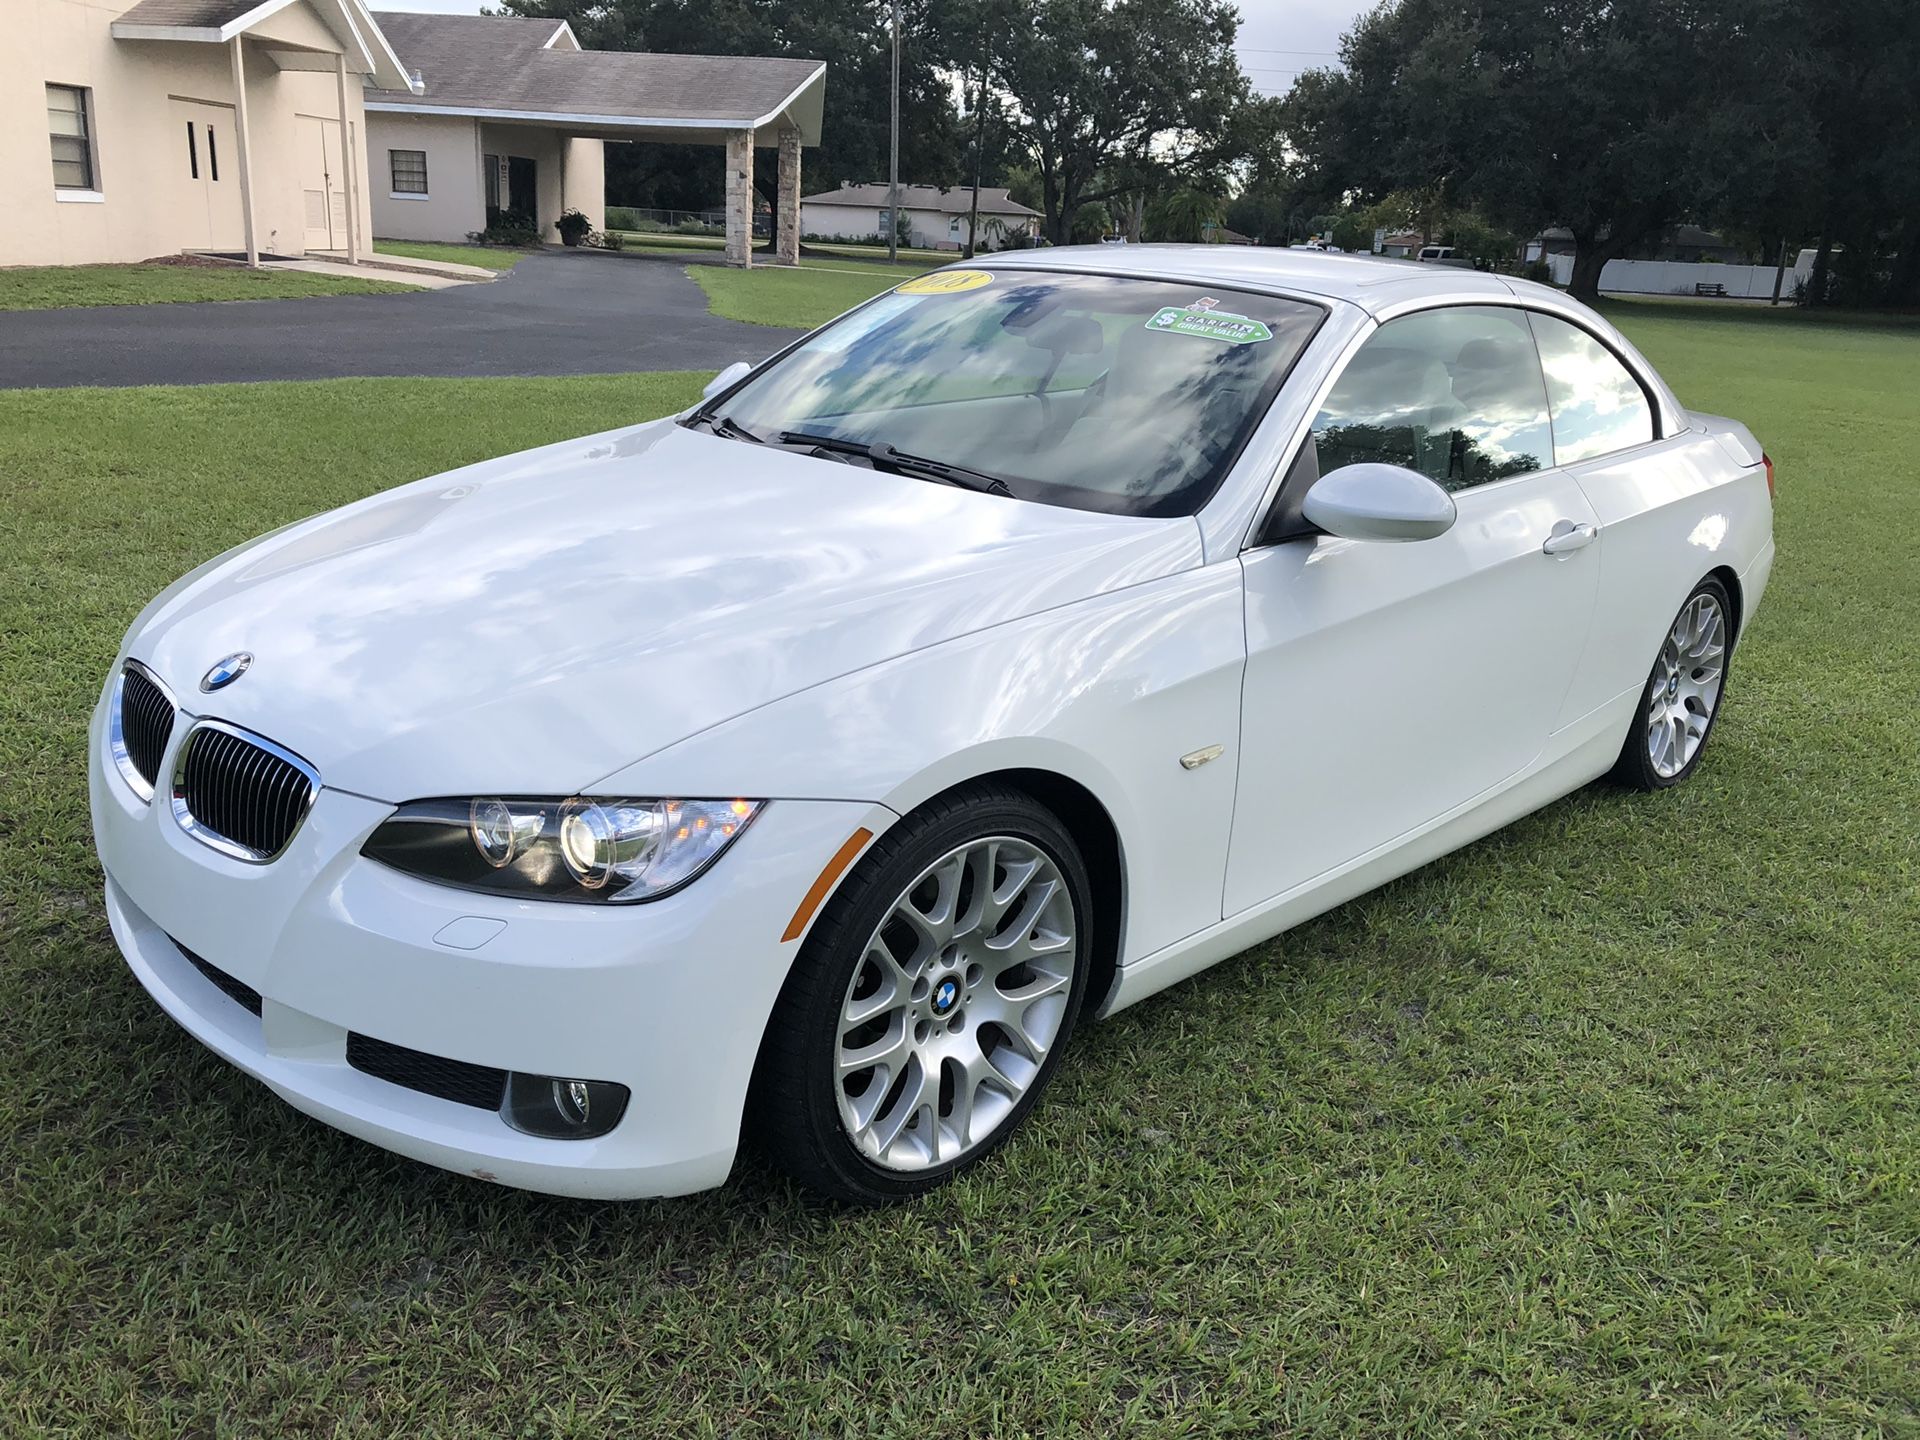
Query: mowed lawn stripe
[{"x": 1606, "y": 1125}]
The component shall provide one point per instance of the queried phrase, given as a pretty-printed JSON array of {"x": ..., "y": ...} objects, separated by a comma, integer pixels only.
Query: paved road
[{"x": 563, "y": 312}]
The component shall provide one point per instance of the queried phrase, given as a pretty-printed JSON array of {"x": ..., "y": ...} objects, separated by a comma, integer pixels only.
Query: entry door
[
  {"x": 1390, "y": 682},
  {"x": 205, "y": 194},
  {"x": 323, "y": 193},
  {"x": 521, "y": 195}
]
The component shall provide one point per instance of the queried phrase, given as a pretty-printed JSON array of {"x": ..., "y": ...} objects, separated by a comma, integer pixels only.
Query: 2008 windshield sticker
[{"x": 1202, "y": 320}]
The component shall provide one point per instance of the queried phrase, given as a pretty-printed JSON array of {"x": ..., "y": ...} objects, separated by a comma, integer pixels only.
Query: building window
[
  {"x": 409, "y": 171},
  {"x": 490, "y": 173},
  {"x": 68, "y": 107}
]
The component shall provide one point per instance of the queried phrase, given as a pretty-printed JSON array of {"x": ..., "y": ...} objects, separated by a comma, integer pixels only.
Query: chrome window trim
[
  {"x": 212, "y": 838},
  {"x": 116, "y": 732}
]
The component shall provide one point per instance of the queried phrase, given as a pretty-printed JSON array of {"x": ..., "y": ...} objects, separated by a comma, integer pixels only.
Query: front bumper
[{"x": 670, "y": 999}]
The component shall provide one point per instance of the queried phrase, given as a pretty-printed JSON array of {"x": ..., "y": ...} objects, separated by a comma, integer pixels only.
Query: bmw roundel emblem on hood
[{"x": 224, "y": 672}]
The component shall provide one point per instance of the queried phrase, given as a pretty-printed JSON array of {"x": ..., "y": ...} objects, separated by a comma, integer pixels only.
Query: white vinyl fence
[{"x": 1676, "y": 277}]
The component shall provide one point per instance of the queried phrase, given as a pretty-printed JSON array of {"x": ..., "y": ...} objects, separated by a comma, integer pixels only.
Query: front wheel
[
  {"x": 931, "y": 1003},
  {"x": 1682, "y": 695}
]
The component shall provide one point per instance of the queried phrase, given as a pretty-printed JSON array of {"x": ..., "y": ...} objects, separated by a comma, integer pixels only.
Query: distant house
[
  {"x": 937, "y": 215},
  {"x": 1399, "y": 244},
  {"x": 1687, "y": 243},
  {"x": 510, "y": 115}
]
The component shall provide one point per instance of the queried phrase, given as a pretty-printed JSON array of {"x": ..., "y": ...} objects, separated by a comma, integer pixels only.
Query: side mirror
[
  {"x": 726, "y": 379},
  {"x": 1378, "y": 502}
]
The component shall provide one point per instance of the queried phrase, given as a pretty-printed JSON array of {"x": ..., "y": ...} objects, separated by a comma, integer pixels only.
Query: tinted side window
[
  {"x": 1455, "y": 394},
  {"x": 1598, "y": 407}
]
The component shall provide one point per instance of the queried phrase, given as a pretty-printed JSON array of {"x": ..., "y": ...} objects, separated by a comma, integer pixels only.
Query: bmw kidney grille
[
  {"x": 141, "y": 723},
  {"x": 240, "y": 793}
]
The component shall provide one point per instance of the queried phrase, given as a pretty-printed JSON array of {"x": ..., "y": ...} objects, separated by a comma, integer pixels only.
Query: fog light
[{"x": 559, "y": 1109}]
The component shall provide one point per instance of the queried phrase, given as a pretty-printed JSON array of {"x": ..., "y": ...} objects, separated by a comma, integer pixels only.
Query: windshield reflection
[{"x": 1105, "y": 393}]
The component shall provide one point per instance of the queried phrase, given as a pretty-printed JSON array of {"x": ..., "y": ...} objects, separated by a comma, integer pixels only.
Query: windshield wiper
[
  {"x": 882, "y": 455},
  {"x": 726, "y": 425}
]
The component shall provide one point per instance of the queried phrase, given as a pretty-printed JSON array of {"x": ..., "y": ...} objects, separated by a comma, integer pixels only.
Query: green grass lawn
[
  {"x": 49, "y": 287},
  {"x": 1605, "y": 1126},
  {"x": 674, "y": 241},
  {"x": 491, "y": 257},
  {"x": 795, "y": 297}
]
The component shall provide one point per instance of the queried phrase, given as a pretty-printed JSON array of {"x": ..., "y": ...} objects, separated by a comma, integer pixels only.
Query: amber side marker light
[
  {"x": 823, "y": 882},
  {"x": 1767, "y": 460}
]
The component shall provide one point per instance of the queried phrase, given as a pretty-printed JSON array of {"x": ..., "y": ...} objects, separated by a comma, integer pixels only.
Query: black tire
[
  {"x": 793, "y": 1111},
  {"x": 1635, "y": 768}
]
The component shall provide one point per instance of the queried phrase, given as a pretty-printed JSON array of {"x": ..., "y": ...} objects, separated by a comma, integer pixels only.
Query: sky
[{"x": 1280, "y": 38}]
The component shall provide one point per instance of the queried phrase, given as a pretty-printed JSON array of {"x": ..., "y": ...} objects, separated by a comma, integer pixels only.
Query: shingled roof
[
  {"x": 198, "y": 13},
  {"x": 506, "y": 67},
  {"x": 362, "y": 41}
]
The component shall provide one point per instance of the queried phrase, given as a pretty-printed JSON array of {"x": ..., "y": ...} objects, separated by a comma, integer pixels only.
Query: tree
[
  {"x": 851, "y": 35},
  {"x": 1183, "y": 215},
  {"x": 1110, "y": 97},
  {"x": 1838, "y": 128},
  {"x": 1603, "y": 116}
]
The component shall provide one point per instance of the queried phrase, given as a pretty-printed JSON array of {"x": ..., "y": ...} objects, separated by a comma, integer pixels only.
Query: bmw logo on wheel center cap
[
  {"x": 945, "y": 995},
  {"x": 224, "y": 672}
]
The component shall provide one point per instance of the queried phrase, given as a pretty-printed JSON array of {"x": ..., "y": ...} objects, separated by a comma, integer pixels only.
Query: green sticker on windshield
[{"x": 1210, "y": 324}]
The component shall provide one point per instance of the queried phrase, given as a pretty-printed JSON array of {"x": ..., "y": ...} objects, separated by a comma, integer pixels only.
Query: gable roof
[
  {"x": 502, "y": 67},
  {"x": 218, "y": 21},
  {"x": 944, "y": 200}
]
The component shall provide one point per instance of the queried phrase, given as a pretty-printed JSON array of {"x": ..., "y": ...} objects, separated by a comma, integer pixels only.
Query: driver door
[{"x": 1389, "y": 683}]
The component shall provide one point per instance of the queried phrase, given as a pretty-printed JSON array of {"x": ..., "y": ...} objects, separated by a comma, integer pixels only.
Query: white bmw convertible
[{"x": 810, "y": 764}]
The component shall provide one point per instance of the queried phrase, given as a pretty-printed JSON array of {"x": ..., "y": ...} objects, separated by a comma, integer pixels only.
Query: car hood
[{"x": 534, "y": 623}]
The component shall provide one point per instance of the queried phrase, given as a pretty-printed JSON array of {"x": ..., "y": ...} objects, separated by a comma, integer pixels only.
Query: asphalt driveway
[{"x": 562, "y": 312}]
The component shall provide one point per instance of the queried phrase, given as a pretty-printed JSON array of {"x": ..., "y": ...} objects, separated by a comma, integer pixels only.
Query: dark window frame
[
  {"x": 394, "y": 181},
  {"x": 89, "y": 159},
  {"x": 193, "y": 154}
]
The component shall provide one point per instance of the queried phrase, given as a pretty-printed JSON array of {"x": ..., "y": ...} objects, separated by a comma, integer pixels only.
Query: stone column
[
  {"x": 786, "y": 205},
  {"x": 740, "y": 198}
]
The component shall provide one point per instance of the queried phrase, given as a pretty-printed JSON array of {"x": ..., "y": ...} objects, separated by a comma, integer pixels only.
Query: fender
[{"x": 1109, "y": 692}]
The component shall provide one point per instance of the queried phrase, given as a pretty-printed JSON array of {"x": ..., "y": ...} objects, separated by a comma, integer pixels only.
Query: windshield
[{"x": 1101, "y": 392}]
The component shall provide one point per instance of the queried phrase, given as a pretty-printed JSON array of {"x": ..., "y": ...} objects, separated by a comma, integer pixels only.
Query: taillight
[{"x": 1767, "y": 460}]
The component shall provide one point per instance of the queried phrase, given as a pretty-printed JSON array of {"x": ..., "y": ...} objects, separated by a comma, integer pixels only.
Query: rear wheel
[
  {"x": 1682, "y": 695},
  {"x": 931, "y": 1003}
]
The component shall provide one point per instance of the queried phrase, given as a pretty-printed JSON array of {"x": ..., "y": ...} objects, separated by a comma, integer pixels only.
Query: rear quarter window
[{"x": 1598, "y": 406}]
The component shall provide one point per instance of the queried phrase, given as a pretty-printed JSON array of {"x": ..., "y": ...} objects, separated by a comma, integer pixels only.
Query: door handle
[{"x": 1568, "y": 536}]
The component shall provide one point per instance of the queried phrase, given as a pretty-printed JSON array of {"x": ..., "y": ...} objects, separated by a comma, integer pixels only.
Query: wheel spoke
[
  {"x": 969, "y": 1016},
  {"x": 887, "y": 1053},
  {"x": 1685, "y": 685}
]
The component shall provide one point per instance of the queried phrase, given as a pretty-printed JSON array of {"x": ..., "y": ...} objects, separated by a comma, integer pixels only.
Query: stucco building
[
  {"x": 180, "y": 125},
  {"x": 284, "y": 127}
]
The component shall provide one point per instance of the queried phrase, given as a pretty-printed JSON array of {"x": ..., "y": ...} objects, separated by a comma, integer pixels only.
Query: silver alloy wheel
[
  {"x": 960, "y": 993},
  {"x": 1686, "y": 685}
]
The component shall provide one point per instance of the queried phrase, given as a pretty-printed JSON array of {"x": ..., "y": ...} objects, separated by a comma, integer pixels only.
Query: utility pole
[
  {"x": 893, "y": 151},
  {"x": 979, "y": 145}
]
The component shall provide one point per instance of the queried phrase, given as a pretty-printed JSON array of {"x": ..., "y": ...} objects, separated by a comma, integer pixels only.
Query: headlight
[{"x": 587, "y": 848}]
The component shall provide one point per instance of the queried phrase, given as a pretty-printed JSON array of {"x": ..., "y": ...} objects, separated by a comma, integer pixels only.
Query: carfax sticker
[
  {"x": 945, "y": 282},
  {"x": 1204, "y": 321}
]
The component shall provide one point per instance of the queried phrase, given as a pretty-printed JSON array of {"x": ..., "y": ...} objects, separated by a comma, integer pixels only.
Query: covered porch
[{"x": 527, "y": 117}]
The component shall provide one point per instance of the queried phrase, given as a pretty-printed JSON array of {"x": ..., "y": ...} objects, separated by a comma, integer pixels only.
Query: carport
[{"x": 493, "y": 91}]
